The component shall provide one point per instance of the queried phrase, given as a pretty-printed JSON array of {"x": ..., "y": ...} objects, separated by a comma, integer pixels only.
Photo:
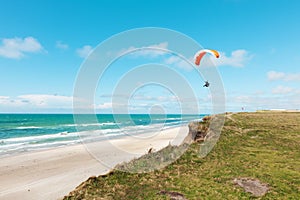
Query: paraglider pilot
[{"x": 206, "y": 84}]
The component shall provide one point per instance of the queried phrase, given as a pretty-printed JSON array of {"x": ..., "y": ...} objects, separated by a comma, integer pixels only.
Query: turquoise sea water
[{"x": 28, "y": 132}]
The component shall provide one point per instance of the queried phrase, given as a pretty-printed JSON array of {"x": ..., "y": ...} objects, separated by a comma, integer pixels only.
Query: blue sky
[{"x": 43, "y": 45}]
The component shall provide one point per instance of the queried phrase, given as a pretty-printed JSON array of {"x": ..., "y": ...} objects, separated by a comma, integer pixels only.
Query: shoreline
[
  {"x": 102, "y": 139},
  {"x": 42, "y": 174}
]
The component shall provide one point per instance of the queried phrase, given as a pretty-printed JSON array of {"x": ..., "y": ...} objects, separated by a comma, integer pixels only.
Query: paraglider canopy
[{"x": 199, "y": 55}]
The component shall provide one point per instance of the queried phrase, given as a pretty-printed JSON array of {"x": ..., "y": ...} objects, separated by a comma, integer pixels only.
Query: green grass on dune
[{"x": 263, "y": 146}]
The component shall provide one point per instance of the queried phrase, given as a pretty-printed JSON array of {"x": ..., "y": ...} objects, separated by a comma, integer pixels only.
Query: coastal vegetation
[{"x": 260, "y": 147}]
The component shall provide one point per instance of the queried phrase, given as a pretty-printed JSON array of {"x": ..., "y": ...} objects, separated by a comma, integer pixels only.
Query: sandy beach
[{"x": 53, "y": 173}]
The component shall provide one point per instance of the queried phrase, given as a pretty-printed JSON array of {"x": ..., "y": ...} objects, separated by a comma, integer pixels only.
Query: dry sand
[{"x": 51, "y": 174}]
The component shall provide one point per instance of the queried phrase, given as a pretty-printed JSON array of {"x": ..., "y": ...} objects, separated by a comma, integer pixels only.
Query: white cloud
[
  {"x": 259, "y": 92},
  {"x": 84, "y": 51},
  {"x": 154, "y": 98},
  {"x": 46, "y": 103},
  {"x": 46, "y": 100},
  {"x": 116, "y": 96},
  {"x": 107, "y": 105},
  {"x": 282, "y": 90},
  {"x": 16, "y": 48},
  {"x": 37, "y": 101},
  {"x": 151, "y": 50},
  {"x": 274, "y": 76},
  {"x": 4, "y": 97},
  {"x": 61, "y": 45},
  {"x": 238, "y": 58},
  {"x": 179, "y": 62},
  {"x": 143, "y": 98},
  {"x": 281, "y": 97},
  {"x": 5, "y": 100}
]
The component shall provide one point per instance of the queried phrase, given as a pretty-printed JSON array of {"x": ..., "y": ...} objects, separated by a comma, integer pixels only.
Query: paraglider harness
[{"x": 206, "y": 84}]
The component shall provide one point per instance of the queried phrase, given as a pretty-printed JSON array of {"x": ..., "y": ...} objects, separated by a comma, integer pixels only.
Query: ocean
[{"x": 31, "y": 132}]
